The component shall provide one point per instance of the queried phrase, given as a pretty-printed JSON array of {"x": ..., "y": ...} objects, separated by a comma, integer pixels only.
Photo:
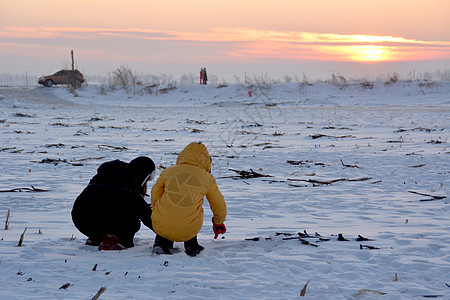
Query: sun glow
[{"x": 369, "y": 53}]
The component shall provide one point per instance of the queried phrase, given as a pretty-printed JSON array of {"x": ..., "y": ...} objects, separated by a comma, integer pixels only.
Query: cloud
[
  {"x": 244, "y": 44},
  {"x": 80, "y": 32}
]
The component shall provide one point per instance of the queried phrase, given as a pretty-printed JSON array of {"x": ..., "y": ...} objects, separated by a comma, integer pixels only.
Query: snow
[{"x": 396, "y": 135}]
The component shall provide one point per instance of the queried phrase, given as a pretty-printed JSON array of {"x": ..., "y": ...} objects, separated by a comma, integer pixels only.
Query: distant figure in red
[{"x": 201, "y": 76}]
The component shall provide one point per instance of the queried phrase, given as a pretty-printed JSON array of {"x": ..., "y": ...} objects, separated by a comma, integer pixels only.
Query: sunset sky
[{"x": 233, "y": 37}]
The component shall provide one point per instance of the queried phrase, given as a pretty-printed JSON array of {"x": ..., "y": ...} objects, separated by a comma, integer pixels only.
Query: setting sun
[{"x": 369, "y": 53}]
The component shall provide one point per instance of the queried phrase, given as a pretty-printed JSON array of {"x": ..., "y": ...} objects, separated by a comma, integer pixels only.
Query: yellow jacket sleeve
[{"x": 216, "y": 202}]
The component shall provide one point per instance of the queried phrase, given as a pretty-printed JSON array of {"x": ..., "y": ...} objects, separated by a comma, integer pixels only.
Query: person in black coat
[
  {"x": 113, "y": 203},
  {"x": 205, "y": 76}
]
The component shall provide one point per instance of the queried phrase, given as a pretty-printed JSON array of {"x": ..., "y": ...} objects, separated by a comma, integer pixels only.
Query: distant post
[
  {"x": 72, "y": 75},
  {"x": 73, "y": 64}
]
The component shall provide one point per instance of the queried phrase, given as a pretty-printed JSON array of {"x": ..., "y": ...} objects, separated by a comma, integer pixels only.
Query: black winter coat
[{"x": 112, "y": 203}]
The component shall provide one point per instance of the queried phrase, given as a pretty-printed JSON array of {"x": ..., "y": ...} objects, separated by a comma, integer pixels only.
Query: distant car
[{"x": 62, "y": 77}]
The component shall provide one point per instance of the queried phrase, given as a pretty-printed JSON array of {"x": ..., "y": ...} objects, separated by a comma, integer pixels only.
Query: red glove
[{"x": 218, "y": 229}]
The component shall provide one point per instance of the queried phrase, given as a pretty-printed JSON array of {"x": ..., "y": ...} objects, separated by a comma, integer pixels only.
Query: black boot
[
  {"x": 162, "y": 245},
  {"x": 192, "y": 247}
]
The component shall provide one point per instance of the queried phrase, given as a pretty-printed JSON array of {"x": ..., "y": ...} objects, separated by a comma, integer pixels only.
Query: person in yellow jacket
[{"x": 177, "y": 199}]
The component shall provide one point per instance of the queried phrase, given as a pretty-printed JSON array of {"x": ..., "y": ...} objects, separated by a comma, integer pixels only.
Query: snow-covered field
[{"x": 378, "y": 144}]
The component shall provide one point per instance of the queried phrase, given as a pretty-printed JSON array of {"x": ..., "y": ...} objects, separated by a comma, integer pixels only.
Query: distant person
[
  {"x": 110, "y": 209},
  {"x": 177, "y": 199},
  {"x": 201, "y": 75},
  {"x": 205, "y": 76}
]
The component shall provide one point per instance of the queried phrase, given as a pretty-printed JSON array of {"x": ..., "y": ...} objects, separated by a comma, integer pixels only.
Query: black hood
[
  {"x": 116, "y": 173},
  {"x": 127, "y": 175}
]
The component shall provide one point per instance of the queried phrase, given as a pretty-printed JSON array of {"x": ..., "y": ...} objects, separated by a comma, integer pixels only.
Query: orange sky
[{"x": 261, "y": 35}]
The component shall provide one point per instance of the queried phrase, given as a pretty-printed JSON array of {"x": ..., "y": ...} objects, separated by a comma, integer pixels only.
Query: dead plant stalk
[
  {"x": 21, "y": 238},
  {"x": 7, "y": 219}
]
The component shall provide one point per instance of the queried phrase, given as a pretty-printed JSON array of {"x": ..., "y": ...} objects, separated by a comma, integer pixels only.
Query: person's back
[
  {"x": 178, "y": 195},
  {"x": 113, "y": 201}
]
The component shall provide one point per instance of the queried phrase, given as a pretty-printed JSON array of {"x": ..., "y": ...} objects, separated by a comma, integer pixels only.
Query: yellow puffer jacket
[{"x": 177, "y": 196}]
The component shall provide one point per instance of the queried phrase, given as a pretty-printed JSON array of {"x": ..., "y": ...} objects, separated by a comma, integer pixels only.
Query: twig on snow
[
  {"x": 359, "y": 179},
  {"x": 418, "y": 166},
  {"x": 246, "y": 174},
  {"x": 361, "y": 238},
  {"x": 305, "y": 242},
  {"x": 326, "y": 182},
  {"x": 432, "y": 196},
  {"x": 32, "y": 189},
  {"x": 303, "y": 292},
  {"x": 256, "y": 239},
  {"x": 89, "y": 158},
  {"x": 273, "y": 181},
  {"x": 113, "y": 148},
  {"x": 320, "y": 182},
  {"x": 57, "y": 161},
  {"x": 319, "y": 135},
  {"x": 100, "y": 291},
  {"x": 361, "y": 246},
  {"x": 349, "y": 166},
  {"x": 65, "y": 286},
  {"x": 418, "y": 128},
  {"x": 435, "y": 142},
  {"x": 296, "y": 185},
  {"x": 363, "y": 291}
]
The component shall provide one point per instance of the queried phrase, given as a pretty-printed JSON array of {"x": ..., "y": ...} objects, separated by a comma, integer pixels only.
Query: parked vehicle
[{"x": 74, "y": 78}]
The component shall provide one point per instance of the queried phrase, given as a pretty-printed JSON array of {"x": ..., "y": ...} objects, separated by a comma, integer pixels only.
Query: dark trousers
[
  {"x": 168, "y": 244},
  {"x": 95, "y": 228}
]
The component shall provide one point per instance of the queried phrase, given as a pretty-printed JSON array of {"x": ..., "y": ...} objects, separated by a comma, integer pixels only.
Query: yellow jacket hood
[{"x": 197, "y": 155}]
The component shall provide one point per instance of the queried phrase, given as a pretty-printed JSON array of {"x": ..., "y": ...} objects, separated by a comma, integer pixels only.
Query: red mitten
[{"x": 218, "y": 229}]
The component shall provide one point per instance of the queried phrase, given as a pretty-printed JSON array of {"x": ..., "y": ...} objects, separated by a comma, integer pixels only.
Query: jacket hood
[
  {"x": 113, "y": 169},
  {"x": 197, "y": 155},
  {"x": 116, "y": 173}
]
